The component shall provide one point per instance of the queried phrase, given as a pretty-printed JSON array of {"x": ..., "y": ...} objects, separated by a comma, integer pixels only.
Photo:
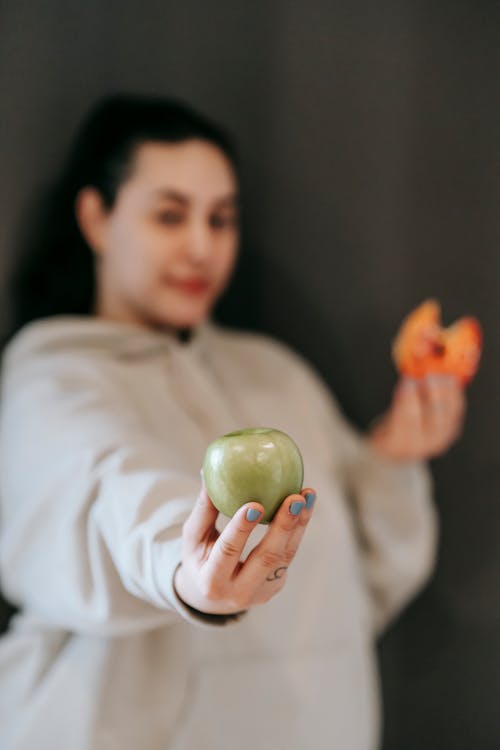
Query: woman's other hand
[
  {"x": 425, "y": 418},
  {"x": 212, "y": 578}
]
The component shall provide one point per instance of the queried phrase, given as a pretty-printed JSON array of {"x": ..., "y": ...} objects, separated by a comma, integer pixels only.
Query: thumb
[{"x": 201, "y": 521}]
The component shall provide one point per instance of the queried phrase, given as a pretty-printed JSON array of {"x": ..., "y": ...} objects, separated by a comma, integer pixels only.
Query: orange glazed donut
[{"x": 422, "y": 346}]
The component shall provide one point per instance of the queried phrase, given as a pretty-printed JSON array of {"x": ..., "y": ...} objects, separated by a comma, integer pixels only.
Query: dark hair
[{"x": 55, "y": 274}]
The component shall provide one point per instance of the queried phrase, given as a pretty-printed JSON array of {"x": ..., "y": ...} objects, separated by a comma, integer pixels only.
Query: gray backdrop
[{"x": 367, "y": 132}]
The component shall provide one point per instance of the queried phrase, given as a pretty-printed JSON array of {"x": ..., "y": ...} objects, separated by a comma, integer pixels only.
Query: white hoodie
[{"x": 103, "y": 429}]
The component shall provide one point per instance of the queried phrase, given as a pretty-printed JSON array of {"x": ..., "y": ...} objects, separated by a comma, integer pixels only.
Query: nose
[{"x": 199, "y": 242}]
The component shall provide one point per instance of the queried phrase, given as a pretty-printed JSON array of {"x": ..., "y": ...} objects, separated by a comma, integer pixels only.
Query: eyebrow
[{"x": 175, "y": 195}]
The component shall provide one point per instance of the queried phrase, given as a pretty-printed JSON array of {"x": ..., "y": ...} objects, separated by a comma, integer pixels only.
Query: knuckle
[
  {"x": 227, "y": 548},
  {"x": 288, "y": 522},
  {"x": 305, "y": 517},
  {"x": 271, "y": 559},
  {"x": 241, "y": 531},
  {"x": 288, "y": 555},
  {"x": 211, "y": 590}
]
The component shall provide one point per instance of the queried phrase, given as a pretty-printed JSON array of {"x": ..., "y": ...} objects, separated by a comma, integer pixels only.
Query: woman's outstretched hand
[
  {"x": 425, "y": 418},
  {"x": 212, "y": 578}
]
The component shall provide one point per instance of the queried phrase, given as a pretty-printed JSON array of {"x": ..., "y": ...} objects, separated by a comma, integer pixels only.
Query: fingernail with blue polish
[
  {"x": 295, "y": 508},
  {"x": 252, "y": 514},
  {"x": 310, "y": 498}
]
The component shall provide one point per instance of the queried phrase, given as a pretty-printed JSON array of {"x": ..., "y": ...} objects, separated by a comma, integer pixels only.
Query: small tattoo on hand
[{"x": 278, "y": 573}]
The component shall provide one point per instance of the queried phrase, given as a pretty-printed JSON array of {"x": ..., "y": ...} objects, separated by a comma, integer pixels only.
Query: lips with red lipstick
[{"x": 193, "y": 285}]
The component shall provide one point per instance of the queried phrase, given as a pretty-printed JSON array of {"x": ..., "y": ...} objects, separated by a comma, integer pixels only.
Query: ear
[{"x": 92, "y": 216}]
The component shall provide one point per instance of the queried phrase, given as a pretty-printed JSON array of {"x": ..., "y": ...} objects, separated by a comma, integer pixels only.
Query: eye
[
  {"x": 170, "y": 217},
  {"x": 223, "y": 221}
]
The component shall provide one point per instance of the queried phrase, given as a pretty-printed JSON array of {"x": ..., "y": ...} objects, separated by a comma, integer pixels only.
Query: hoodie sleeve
[
  {"x": 396, "y": 524},
  {"x": 391, "y": 505},
  {"x": 92, "y": 505}
]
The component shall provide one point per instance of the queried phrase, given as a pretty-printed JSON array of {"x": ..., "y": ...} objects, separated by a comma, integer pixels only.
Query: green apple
[{"x": 261, "y": 464}]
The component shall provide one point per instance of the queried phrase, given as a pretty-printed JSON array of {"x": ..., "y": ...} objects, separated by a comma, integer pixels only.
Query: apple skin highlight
[{"x": 258, "y": 464}]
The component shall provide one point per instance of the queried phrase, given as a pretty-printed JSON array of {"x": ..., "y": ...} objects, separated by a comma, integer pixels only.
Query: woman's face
[{"x": 166, "y": 249}]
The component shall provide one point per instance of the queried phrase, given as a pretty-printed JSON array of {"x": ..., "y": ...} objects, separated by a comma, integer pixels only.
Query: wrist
[
  {"x": 209, "y": 616},
  {"x": 387, "y": 449}
]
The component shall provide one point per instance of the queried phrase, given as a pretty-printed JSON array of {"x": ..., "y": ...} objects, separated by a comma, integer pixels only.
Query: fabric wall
[{"x": 368, "y": 137}]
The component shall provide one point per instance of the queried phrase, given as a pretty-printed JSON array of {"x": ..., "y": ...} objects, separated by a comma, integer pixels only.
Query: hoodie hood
[{"x": 63, "y": 333}]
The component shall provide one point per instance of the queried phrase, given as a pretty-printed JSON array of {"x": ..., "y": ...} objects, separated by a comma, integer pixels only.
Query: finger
[
  {"x": 309, "y": 495},
  {"x": 200, "y": 523},
  {"x": 225, "y": 555},
  {"x": 273, "y": 552},
  {"x": 407, "y": 411},
  {"x": 456, "y": 400},
  {"x": 444, "y": 402},
  {"x": 438, "y": 409},
  {"x": 438, "y": 386}
]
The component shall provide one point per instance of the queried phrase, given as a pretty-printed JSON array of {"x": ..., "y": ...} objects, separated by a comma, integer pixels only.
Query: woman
[{"x": 139, "y": 628}]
